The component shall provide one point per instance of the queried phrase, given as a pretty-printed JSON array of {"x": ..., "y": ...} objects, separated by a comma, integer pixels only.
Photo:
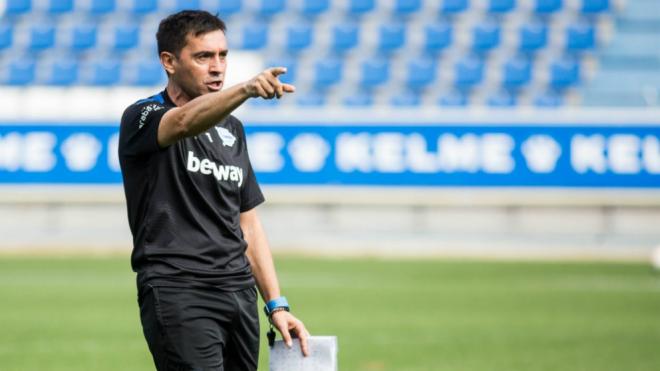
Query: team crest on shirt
[{"x": 228, "y": 139}]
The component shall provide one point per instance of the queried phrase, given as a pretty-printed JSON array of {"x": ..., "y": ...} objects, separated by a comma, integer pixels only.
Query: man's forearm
[{"x": 260, "y": 257}]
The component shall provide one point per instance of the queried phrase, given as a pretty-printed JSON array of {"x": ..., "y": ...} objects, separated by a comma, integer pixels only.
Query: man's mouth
[{"x": 214, "y": 85}]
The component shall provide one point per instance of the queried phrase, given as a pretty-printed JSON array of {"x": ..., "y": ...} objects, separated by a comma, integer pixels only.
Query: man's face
[{"x": 200, "y": 67}]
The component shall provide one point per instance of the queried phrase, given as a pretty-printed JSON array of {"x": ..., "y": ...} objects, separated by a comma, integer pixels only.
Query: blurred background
[{"x": 481, "y": 129}]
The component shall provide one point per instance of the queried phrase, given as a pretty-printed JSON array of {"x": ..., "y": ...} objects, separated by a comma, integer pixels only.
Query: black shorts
[{"x": 200, "y": 329}]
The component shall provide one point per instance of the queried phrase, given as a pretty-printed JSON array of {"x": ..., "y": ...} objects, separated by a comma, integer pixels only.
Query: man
[{"x": 199, "y": 247}]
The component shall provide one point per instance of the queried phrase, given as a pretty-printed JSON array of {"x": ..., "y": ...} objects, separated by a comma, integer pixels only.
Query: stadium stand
[{"x": 362, "y": 52}]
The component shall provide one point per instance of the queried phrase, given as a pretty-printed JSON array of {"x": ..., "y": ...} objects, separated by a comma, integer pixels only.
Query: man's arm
[
  {"x": 206, "y": 110},
  {"x": 261, "y": 260}
]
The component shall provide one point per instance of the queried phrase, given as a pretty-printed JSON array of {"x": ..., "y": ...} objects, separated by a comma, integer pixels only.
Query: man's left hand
[{"x": 285, "y": 322}]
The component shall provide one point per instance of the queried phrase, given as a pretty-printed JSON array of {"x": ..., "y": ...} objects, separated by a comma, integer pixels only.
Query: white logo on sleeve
[
  {"x": 228, "y": 139},
  {"x": 220, "y": 172},
  {"x": 146, "y": 110}
]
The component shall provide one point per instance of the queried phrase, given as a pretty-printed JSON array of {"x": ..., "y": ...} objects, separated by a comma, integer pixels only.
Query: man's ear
[{"x": 168, "y": 61}]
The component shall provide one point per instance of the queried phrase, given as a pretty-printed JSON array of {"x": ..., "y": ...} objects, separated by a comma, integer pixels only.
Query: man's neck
[{"x": 176, "y": 94}]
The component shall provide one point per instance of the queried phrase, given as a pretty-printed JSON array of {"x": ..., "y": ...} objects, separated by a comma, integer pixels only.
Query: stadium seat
[
  {"x": 406, "y": 99},
  {"x": 501, "y": 6},
  {"x": 580, "y": 36},
  {"x": 255, "y": 36},
  {"x": 227, "y": 8},
  {"x": 547, "y": 6},
  {"x": 437, "y": 36},
  {"x": 345, "y": 36},
  {"x": 299, "y": 36},
  {"x": 314, "y": 7},
  {"x": 6, "y": 36},
  {"x": 83, "y": 37},
  {"x": 102, "y": 72},
  {"x": 148, "y": 72},
  {"x": 564, "y": 73},
  {"x": 406, "y": 7},
  {"x": 60, "y": 6},
  {"x": 180, "y": 5},
  {"x": 20, "y": 71},
  {"x": 42, "y": 36},
  {"x": 126, "y": 36},
  {"x": 469, "y": 72},
  {"x": 595, "y": 6},
  {"x": 62, "y": 72},
  {"x": 271, "y": 7},
  {"x": 357, "y": 7},
  {"x": 454, "y": 99},
  {"x": 502, "y": 99},
  {"x": 516, "y": 72},
  {"x": 533, "y": 36},
  {"x": 291, "y": 69},
  {"x": 375, "y": 71},
  {"x": 327, "y": 72},
  {"x": 311, "y": 99},
  {"x": 100, "y": 7},
  {"x": 548, "y": 99},
  {"x": 142, "y": 7},
  {"x": 17, "y": 7},
  {"x": 486, "y": 36},
  {"x": 420, "y": 72},
  {"x": 358, "y": 99},
  {"x": 391, "y": 36},
  {"x": 450, "y": 7}
]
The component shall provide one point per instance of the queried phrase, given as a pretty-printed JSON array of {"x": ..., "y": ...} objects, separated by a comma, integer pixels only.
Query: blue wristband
[{"x": 280, "y": 302}]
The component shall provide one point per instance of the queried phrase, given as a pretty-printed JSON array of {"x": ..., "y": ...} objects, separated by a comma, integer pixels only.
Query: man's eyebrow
[{"x": 209, "y": 53}]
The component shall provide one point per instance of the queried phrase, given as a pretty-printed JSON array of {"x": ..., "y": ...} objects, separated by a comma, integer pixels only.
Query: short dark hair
[{"x": 173, "y": 30}]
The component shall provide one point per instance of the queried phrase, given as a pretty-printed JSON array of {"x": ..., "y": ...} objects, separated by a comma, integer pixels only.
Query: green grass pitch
[{"x": 81, "y": 314}]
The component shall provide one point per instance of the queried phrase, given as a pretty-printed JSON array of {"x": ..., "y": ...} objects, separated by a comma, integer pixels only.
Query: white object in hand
[{"x": 322, "y": 357}]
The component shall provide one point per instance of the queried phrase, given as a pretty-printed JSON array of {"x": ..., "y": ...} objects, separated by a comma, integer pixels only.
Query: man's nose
[{"x": 216, "y": 65}]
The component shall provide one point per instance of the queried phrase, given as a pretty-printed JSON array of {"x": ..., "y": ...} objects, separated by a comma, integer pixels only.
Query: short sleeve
[
  {"x": 251, "y": 195},
  {"x": 139, "y": 128}
]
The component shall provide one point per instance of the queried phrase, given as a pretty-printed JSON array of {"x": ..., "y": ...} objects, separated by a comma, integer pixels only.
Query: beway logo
[{"x": 208, "y": 167}]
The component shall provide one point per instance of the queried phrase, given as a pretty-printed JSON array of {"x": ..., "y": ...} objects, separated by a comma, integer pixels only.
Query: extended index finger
[{"x": 276, "y": 71}]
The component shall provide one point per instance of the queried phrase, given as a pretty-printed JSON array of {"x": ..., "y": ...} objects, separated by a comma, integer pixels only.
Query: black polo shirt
[{"x": 184, "y": 201}]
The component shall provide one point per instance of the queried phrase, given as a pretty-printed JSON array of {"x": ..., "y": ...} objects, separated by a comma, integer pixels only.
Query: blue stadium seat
[
  {"x": 255, "y": 35},
  {"x": 502, "y": 99},
  {"x": 359, "y": 99},
  {"x": 102, "y": 72},
  {"x": 228, "y": 8},
  {"x": 580, "y": 36},
  {"x": 357, "y": 7},
  {"x": 271, "y": 7},
  {"x": 291, "y": 68},
  {"x": 454, "y": 6},
  {"x": 100, "y": 7},
  {"x": 17, "y": 7},
  {"x": 375, "y": 71},
  {"x": 391, "y": 36},
  {"x": 595, "y": 6},
  {"x": 141, "y": 7},
  {"x": 516, "y": 72},
  {"x": 405, "y": 7},
  {"x": 314, "y": 7},
  {"x": 42, "y": 36},
  {"x": 180, "y": 5},
  {"x": 548, "y": 100},
  {"x": 533, "y": 36},
  {"x": 299, "y": 36},
  {"x": 406, "y": 99},
  {"x": 148, "y": 72},
  {"x": 420, "y": 72},
  {"x": 564, "y": 73},
  {"x": 6, "y": 36},
  {"x": 345, "y": 36},
  {"x": 83, "y": 36},
  {"x": 62, "y": 72},
  {"x": 469, "y": 72},
  {"x": 437, "y": 36},
  {"x": 547, "y": 6},
  {"x": 60, "y": 6},
  {"x": 311, "y": 99},
  {"x": 454, "y": 99},
  {"x": 126, "y": 36},
  {"x": 486, "y": 36},
  {"x": 501, "y": 6},
  {"x": 328, "y": 72},
  {"x": 20, "y": 71}
]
